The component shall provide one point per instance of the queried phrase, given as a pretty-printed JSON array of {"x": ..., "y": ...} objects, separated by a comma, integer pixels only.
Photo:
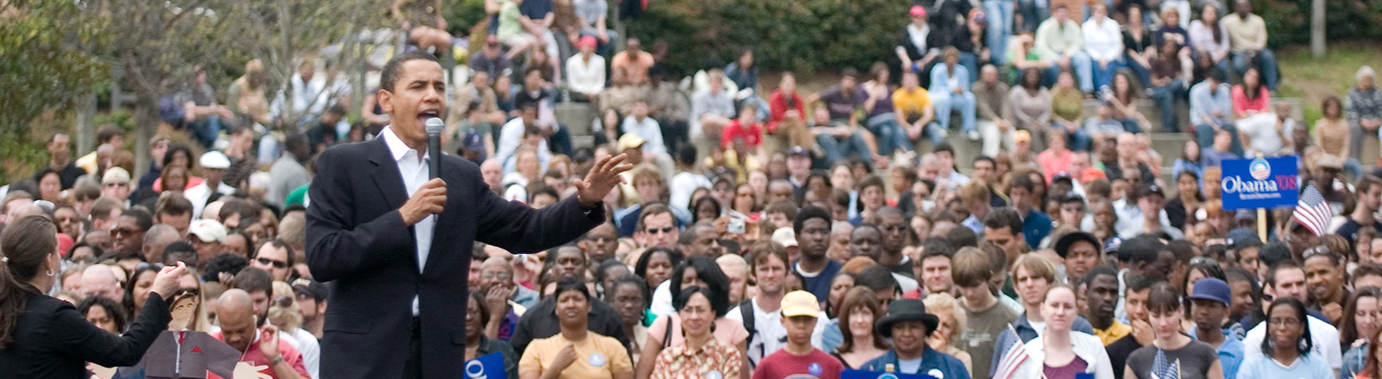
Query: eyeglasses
[
  {"x": 276, "y": 264},
  {"x": 662, "y": 230},
  {"x": 1202, "y": 260},
  {"x": 496, "y": 275}
]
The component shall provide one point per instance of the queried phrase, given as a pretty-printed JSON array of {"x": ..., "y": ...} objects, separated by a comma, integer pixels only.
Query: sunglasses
[
  {"x": 276, "y": 264},
  {"x": 662, "y": 230},
  {"x": 284, "y": 301},
  {"x": 1317, "y": 250}
]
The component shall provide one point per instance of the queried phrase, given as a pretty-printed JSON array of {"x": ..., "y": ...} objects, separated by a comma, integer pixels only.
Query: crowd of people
[{"x": 774, "y": 235}]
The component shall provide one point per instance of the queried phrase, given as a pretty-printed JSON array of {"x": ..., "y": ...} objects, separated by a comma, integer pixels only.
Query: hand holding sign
[{"x": 246, "y": 370}]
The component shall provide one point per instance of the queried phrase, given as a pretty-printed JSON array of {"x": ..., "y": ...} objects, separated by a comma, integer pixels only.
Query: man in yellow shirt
[
  {"x": 914, "y": 111},
  {"x": 1101, "y": 293}
]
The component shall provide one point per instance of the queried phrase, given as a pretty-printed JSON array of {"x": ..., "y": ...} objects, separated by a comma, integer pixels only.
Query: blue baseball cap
[{"x": 1212, "y": 289}]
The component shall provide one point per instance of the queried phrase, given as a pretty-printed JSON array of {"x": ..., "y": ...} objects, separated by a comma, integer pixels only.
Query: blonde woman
[
  {"x": 283, "y": 313},
  {"x": 952, "y": 322}
]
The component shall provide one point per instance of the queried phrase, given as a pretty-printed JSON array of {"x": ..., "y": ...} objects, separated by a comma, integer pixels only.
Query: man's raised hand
[{"x": 601, "y": 179}]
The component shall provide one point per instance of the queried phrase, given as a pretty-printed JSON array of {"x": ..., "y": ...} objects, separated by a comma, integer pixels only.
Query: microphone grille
[{"x": 435, "y": 125}]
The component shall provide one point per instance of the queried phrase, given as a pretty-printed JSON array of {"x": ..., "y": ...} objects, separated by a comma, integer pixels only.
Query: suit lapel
[{"x": 386, "y": 175}]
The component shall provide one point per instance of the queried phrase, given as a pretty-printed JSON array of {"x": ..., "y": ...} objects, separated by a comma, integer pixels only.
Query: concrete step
[
  {"x": 576, "y": 116},
  {"x": 583, "y": 140}
]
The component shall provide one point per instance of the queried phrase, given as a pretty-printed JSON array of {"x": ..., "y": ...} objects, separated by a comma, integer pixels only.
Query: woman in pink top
[
  {"x": 1251, "y": 97},
  {"x": 1056, "y": 157}
]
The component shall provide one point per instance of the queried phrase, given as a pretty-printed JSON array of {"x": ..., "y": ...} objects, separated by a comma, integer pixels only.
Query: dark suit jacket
[
  {"x": 53, "y": 340},
  {"x": 356, "y": 238}
]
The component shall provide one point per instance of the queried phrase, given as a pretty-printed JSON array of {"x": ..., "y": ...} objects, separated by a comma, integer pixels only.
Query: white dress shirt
[
  {"x": 1102, "y": 41},
  {"x": 649, "y": 130},
  {"x": 586, "y": 77},
  {"x": 414, "y": 172}
]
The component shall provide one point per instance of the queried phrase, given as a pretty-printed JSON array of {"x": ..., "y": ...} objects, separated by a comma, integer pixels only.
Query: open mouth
[{"x": 423, "y": 116}]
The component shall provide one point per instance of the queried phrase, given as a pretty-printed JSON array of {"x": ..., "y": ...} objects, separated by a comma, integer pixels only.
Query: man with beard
[
  {"x": 1101, "y": 293},
  {"x": 259, "y": 346},
  {"x": 311, "y": 298}
]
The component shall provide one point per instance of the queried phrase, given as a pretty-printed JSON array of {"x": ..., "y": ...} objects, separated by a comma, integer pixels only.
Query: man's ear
[{"x": 384, "y": 99}]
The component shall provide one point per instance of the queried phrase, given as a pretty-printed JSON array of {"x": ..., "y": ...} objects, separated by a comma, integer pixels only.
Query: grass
[{"x": 1313, "y": 79}]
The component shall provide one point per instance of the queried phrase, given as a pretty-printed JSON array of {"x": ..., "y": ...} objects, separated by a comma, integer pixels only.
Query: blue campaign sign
[
  {"x": 486, "y": 367},
  {"x": 858, "y": 374},
  {"x": 1260, "y": 183}
]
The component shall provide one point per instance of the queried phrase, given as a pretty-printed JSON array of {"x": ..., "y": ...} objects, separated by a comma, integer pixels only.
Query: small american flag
[
  {"x": 1012, "y": 358},
  {"x": 1312, "y": 211},
  {"x": 1162, "y": 370}
]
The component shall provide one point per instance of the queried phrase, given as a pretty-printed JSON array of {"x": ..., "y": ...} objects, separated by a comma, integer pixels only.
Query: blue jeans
[
  {"x": 971, "y": 63},
  {"x": 1033, "y": 14},
  {"x": 1267, "y": 67},
  {"x": 206, "y": 129},
  {"x": 1078, "y": 140},
  {"x": 944, "y": 101},
  {"x": 1204, "y": 133},
  {"x": 1144, "y": 76},
  {"x": 1000, "y": 29},
  {"x": 1080, "y": 65},
  {"x": 1165, "y": 97},
  {"x": 1099, "y": 76},
  {"x": 1130, "y": 125},
  {"x": 889, "y": 135},
  {"x": 837, "y": 149}
]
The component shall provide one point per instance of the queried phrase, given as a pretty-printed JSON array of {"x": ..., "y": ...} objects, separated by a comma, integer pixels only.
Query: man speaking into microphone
[{"x": 397, "y": 246}]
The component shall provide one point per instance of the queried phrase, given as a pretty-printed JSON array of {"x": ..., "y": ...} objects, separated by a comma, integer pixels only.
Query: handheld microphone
[{"x": 435, "y": 126}]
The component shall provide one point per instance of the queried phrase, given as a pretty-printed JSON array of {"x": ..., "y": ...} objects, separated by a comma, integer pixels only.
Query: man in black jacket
[{"x": 396, "y": 244}]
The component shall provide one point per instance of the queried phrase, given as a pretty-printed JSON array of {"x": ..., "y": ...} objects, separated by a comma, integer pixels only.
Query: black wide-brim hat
[
  {"x": 907, "y": 310},
  {"x": 1063, "y": 244}
]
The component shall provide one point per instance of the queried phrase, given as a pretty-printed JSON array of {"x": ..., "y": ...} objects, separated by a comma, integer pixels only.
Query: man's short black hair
[
  {"x": 253, "y": 280},
  {"x": 962, "y": 237},
  {"x": 1142, "y": 283},
  {"x": 985, "y": 158},
  {"x": 1004, "y": 218},
  {"x": 943, "y": 147},
  {"x": 807, "y": 214},
  {"x": 849, "y": 72},
  {"x": 394, "y": 69},
  {"x": 1098, "y": 271},
  {"x": 1216, "y": 74},
  {"x": 277, "y": 244},
  {"x": 1140, "y": 249},
  {"x": 876, "y": 277},
  {"x": 687, "y": 155},
  {"x": 938, "y": 246},
  {"x": 1270, "y": 279},
  {"x": 109, "y": 132},
  {"x": 142, "y": 219},
  {"x": 1023, "y": 182}
]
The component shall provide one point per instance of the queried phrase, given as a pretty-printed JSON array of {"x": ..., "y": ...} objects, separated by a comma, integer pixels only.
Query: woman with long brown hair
[
  {"x": 43, "y": 337},
  {"x": 861, "y": 341}
]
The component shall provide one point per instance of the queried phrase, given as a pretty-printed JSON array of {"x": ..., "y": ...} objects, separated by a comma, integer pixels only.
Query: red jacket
[{"x": 778, "y": 103}]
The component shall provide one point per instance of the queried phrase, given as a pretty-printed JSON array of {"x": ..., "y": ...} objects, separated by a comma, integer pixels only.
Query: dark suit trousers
[{"x": 412, "y": 368}]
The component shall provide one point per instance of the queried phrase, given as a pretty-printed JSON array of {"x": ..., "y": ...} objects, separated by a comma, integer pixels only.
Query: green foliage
[
  {"x": 462, "y": 14},
  {"x": 1288, "y": 21},
  {"x": 41, "y": 67},
  {"x": 799, "y": 35}
]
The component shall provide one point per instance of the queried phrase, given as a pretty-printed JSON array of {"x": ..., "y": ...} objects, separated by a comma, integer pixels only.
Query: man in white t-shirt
[{"x": 766, "y": 334}]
